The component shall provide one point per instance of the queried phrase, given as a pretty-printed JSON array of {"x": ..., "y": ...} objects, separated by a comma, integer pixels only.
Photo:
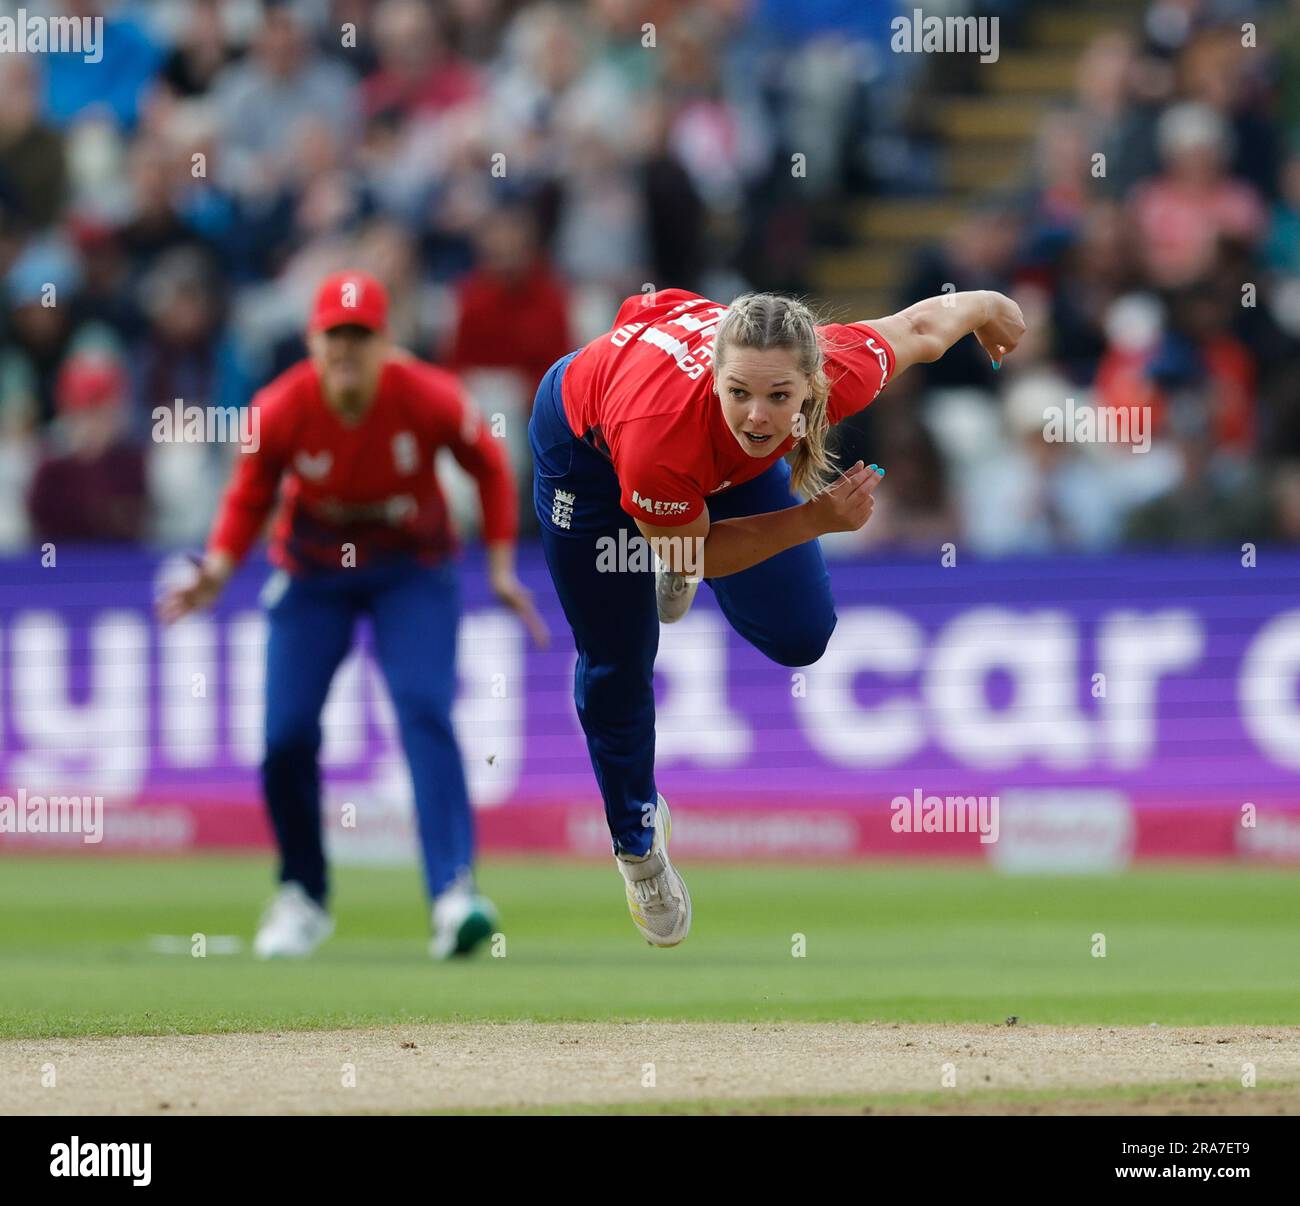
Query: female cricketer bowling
[
  {"x": 362, "y": 530},
  {"x": 679, "y": 421}
]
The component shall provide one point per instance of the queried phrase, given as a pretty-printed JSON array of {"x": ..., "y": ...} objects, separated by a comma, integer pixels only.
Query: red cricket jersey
[
  {"x": 371, "y": 484},
  {"x": 644, "y": 395}
]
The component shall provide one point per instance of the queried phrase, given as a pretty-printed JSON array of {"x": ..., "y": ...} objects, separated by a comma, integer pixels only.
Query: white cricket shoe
[
  {"x": 293, "y": 925},
  {"x": 461, "y": 920},
  {"x": 656, "y": 895},
  {"x": 674, "y": 593}
]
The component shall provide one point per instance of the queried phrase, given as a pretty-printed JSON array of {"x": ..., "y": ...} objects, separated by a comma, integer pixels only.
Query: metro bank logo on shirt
[{"x": 659, "y": 508}]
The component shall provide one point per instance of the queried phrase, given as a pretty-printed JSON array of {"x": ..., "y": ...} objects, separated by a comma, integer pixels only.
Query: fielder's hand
[
  {"x": 202, "y": 591},
  {"x": 516, "y": 596}
]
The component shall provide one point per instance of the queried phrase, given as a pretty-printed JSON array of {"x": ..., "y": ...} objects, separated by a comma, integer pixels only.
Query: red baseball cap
[
  {"x": 350, "y": 299},
  {"x": 88, "y": 381}
]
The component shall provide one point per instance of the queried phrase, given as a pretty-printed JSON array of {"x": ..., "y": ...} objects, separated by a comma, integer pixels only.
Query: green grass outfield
[{"x": 1184, "y": 946}]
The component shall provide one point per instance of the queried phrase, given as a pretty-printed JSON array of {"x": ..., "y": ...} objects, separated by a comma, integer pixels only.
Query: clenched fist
[{"x": 1003, "y": 329}]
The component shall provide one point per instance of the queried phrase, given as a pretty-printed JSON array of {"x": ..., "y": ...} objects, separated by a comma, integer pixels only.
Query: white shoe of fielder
[
  {"x": 461, "y": 920},
  {"x": 293, "y": 925},
  {"x": 674, "y": 593},
  {"x": 656, "y": 895}
]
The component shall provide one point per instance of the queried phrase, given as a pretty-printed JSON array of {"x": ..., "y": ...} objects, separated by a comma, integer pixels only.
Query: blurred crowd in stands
[
  {"x": 513, "y": 169},
  {"x": 1153, "y": 247}
]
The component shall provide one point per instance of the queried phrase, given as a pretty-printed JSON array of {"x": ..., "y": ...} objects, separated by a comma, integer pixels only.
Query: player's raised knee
[{"x": 801, "y": 648}]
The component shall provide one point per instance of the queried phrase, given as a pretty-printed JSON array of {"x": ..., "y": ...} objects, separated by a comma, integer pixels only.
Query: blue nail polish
[
  {"x": 997, "y": 364},
  {"x": 873, "y": 467},
  {"x": 879, "y": 470}
]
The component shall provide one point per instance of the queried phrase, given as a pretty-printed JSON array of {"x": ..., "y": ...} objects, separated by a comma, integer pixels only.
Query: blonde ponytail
[{"x": 763, "y": 321}]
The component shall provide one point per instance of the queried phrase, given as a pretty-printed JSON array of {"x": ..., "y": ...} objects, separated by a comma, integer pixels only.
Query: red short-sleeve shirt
[
  {"x": 643, "y": 393},
  {"x": 372, "y": 484}
]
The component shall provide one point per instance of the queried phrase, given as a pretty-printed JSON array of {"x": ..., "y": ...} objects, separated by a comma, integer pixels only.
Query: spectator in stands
[
  {"x": 418, "y": 73},
  {"x": 1098, "y": 268},
  {"x": 115, "y": 85},
  {"x": 676, "y": 216},
  {"x": 1216, "y": 500},
  {"x": 265, "y": 101},
  {"x": 600, "y": 240},
  {"x": 1193, "y": 344},
  {"x": 978, "y": 253},
  {"x": 416, "y": 309},
  {"x": 1215, "y": 69},
  {"x": 1034, "y": 495},
  {"x": 919, "y": 514},
  {"x": 512, "y": 310},
  {"x": 91, "y": 482},
  {"x": 105, "y": 296},
  {"x": 1286, "y": 502},
  {"x": 545, "y": 88},
  {"x": 156, "y": 224},
  {"x": 662, "y": 161},
  {"x": 1115, "y": 123},
  {"x": 1199, "y": 349},
  {"x": 185, "y": 353},
  {"x": 1181, "y": 214},
  {"x": 39, "y": 326},
  {"x": 480, "y": 27},
  {"x": 201, "y": 54},
  {"x": 1282, "y": 249},
  {"x": 1064, "y": 172},
  {"x": 33, "y": 174}
]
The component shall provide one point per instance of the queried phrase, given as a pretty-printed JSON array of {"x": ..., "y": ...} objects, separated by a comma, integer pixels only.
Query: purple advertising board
[{"x": 1135, "y": 705}]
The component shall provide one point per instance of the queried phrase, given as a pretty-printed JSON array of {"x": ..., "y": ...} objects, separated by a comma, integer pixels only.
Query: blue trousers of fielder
[
  {"x": 782, "y": 606},
  {"x": 413, "y": 610}
]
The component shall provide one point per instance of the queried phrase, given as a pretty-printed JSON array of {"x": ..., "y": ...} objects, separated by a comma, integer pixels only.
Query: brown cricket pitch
[{"x": 794, "y": 1067}]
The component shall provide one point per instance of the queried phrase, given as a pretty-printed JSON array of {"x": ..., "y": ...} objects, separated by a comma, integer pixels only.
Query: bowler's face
[{"x": 762, "y": 393}]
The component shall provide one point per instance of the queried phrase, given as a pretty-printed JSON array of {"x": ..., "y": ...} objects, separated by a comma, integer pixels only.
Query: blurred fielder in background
[{"x": 363, "y": 530}]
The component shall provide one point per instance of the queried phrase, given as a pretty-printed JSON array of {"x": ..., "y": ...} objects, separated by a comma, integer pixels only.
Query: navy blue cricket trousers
[
  {"x": 413, "y": 611},
  {"x": 782, "y": 606}
]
